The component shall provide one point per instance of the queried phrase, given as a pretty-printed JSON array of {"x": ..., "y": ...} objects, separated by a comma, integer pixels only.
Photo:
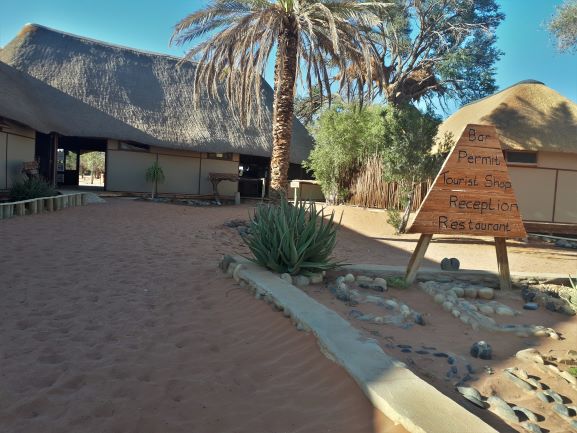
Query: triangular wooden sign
[{"x": 473, "y": 193}]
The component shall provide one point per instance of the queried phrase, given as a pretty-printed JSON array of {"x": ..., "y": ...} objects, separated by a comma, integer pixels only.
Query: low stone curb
[
  {"x": 470, "y": 275},
  {"x": 390, "y": 386}
]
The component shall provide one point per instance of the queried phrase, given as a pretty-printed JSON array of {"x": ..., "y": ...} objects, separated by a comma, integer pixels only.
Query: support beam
[
  {"x": 417, "y": 257},
  {"x": 503, "y": 263}
]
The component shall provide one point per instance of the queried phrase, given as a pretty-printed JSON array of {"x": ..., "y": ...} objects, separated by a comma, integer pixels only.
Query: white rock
[
  {"x": 503, "y": 310},
  {"x": 349, "y": 278},
  {"x": 301, "y": 281},
  {"x": 470, "y": 292},
  {"x": 317, "y": 278},
  {"x": 448, "y": 306},
  {"x": 486, "y": 293},
  {"x": 486, "y": 309},
  {"x": 531, "y": 354},
  {"x": 458, "y": 291},
  {"x": 287, "y": 278},
  {"x": 439, "y": 298},
  {"x": 236, "y": 274},
  {"x": 456, "y": 313}
]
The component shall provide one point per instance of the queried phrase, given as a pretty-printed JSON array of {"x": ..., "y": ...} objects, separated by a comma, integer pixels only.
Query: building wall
[
  {"x": 16, "y": 146},
  {"x": 547, "y": 192},
  {"x": 185, "y": 172}
]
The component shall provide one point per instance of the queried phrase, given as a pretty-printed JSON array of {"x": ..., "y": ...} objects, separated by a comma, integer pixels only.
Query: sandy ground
[
  {"x": 365, "y": 237},
  {"x": 115, "y": 319}
]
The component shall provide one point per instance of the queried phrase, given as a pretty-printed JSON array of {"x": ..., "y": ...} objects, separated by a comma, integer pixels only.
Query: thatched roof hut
[
  {"x": 58, "y": 82},
  {"x": 529, "y": 116}
]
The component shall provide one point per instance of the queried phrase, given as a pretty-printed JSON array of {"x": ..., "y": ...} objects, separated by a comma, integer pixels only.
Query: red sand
[{"x": 115, "y": 318}]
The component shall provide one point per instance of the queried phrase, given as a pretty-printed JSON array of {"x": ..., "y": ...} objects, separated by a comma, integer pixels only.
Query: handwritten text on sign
[{"x": 473, "y": 193}]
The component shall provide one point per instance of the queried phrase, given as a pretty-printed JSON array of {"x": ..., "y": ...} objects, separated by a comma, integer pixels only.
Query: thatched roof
[
  {"x": 527, "y": 115},
  {"x": 57, "y": 82}
]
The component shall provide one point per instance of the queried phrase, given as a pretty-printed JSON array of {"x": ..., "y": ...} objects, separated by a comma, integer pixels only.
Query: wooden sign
[{"x": 473, "y": 193}]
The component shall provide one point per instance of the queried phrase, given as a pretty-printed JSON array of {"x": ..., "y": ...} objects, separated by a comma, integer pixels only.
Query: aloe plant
[
  {"x": 154, "y": 175},
  {"x": 292, "y": 239}
]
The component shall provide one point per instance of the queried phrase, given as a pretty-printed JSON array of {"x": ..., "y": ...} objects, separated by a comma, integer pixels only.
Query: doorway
[{"x": 81, "y": 162}]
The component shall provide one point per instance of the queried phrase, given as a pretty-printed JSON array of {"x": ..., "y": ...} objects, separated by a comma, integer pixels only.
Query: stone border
[
  {"x": 477, "y": 276},
  {"x": 389, "y": 385},
  {"x": 42, "y": 204}
]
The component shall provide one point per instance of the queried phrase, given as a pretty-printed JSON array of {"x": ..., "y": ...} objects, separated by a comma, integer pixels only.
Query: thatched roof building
[
  {"x": 528, "y": 116},
  {"x": 58, "y": 82},
  {"x": 537, "y": 128}
]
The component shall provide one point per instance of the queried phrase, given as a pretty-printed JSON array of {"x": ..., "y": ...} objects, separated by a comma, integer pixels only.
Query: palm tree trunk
[{"x": 283, "y": 108}]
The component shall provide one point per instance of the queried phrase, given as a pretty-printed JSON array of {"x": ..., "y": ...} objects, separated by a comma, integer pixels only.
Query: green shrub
[
  {"x": 573, "y": 371},
  {"x": 394, "y": 218},
  {"x": 31, "y": 188},
  {"x": 397, "y": 282},
  {"x": 292, "y": 239}
]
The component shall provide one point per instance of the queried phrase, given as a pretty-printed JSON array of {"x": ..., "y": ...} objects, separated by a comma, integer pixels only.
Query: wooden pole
[
  {"x": 503, "y": 263},
  {"x": 417, "y": 257}
]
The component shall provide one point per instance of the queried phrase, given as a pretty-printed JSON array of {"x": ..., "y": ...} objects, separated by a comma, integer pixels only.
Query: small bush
[
  {"x": 31, "y": 188},
  {"x": 292, "y": 239},
  {"x": 397, "y": 282},
  {"x": 573, "y": 371},
  {"x": 394, "y": 218}
]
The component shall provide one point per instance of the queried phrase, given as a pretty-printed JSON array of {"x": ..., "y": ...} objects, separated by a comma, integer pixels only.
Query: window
[
  {"x": 133, "y": 147},
  {"x": 513, "y": 157},
  {"x": 226, "y": 156}
]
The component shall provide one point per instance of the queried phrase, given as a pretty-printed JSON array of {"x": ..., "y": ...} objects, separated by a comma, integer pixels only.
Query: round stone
[
  {"x": 287, "y": 278},
  {"x": 481, "y": 350},
  {"x": 486, "y": 293},
  {"x": 349, "y": 278},
  {"x": 439, "y": 298},
  {"x": 448, "y": 306},
  {"x": 456, "y": 313},
  {"x": 458, "y": 291},
  {"x": 530, "y": 306},
  {"x": 470, "y": 292},
  {"x": 503, "y": 310}
]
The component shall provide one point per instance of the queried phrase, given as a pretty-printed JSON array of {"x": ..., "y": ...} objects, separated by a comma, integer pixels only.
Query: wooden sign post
[{"x": 473, "y": 195}]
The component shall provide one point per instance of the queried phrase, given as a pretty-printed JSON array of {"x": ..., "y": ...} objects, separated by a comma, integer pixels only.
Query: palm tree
[{"x": 310, "y": 38}]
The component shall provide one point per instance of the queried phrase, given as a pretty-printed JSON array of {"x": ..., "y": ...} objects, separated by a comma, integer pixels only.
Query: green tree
[
  {"x": 563, "y": 26},
  {"x": 155, "y": 175},
  {"x": 305, "y": 34},
  {"x": 344, "y": 135},
  {"x": 94, "y": 162},
  {"x": 407, "y": 156}
]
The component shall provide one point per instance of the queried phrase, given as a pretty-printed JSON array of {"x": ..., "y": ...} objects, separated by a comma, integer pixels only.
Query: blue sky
[{"x": 147, "y": 25}]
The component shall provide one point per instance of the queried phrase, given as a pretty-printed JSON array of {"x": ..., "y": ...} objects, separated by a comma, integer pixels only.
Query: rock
[
  {"x": 439, "y": 298},
  {"x": 422, "y": 352},
  {"x": 486, "y": 309},
  {"x": 534, "y": 382},
  {"x": 562, "y": 410},
  {"x": 554, "y": 335},
  {"x": 529, "y": 414},
  {"x": 349, "y": 278},
  {"x": 316, "y": 278},
  {"x": 554, "y": 396},
  {"x": 380, "y": 283},
  {"x": 448, "y": 306},
  {"x": 455, "y": 264},
  {"x": 568, "y": 377},
  {"x": 451, "y": 360},
  {"x": 543, "y": 397},
  {"x": 470, "y": 292},
  {"x": 531, "y": 427},
  {"x": 287, "y": 278},
  {"x": 501, "y": 408},
  {"x": 340, "y": 280},
  {"x": 486, "y": 293},
  {"x": 375, "y": 300},
  {"x": 226, "y": 261},
  {"x": 406, "y": 350},
  {"x": 456, "y": 313},
  {"x": 418, "y": 319},
  {"x": 522, "y": 374},
  {"x": 363, "y": 279},
  {"x": 446, "y": 264},
  {"x": 355, "y": 314},
  {"x": 503, "y": 310},
  {"x": 458, "y": 291},
  {"x": 301, "y": 281},
  {"x": 343, "y": 293},
  {"x": 464, "y": 318},
  {"x": 391, "y": 304},
  {"x": 530, "y": 306},
  {"x": 472, "y": 395},
  {"x": 530, "y": 354},
  {"x": 236, "y": 273},
  {"x": 481, "y": 350},
  {"x": 440, "y": 355},
  {"x": 519, "y": 382}
]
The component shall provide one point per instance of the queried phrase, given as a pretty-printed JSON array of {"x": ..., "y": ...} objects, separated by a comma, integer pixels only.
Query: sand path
[{"x": 115, "y": 318}]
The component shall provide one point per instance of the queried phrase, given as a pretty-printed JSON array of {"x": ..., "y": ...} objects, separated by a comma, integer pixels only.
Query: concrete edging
[
  {"x": 389, "y": 385},
  {"x": 41, "y": 204}
]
